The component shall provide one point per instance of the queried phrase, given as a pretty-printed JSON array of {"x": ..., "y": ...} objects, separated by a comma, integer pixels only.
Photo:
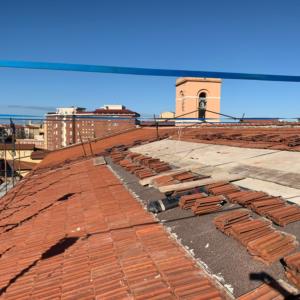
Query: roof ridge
[{"x": 95, "y": 139}]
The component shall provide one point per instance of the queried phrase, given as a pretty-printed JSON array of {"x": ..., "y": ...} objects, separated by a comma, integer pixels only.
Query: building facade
[
  {"x": 197, "y": 98},
  {"x": 73, "y": 125}
]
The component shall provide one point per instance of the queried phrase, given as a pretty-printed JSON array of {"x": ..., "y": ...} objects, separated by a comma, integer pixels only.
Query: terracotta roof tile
[
  {"x": 75, "y": 152},
  {"x": 245, "y": 135},
  {"x": 75, "y": 232},
  {"x": 22, "y": 165}
]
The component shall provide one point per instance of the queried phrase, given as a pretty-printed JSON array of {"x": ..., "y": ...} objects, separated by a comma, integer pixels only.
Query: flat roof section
[
  {"x": 222, "y": 256},
  {"x": 272, "y": 171}
]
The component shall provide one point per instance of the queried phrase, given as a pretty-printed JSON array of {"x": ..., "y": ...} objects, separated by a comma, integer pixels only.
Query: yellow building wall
[
  {"x": 188, "y": 90},
  {"x": 23, "y": 154}
]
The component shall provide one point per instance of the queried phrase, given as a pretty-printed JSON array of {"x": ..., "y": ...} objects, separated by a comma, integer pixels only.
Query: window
[{"x": 202, "y": 105}]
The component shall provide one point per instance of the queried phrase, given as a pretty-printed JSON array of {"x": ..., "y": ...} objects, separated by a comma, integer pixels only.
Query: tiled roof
[
  {"x": 74, "y": 152},
  {"x": 275, "y": 138},
  {"x": 22, "y": 165},
  {"x": 75, "y": 232},
  {"x": 103, "y": 111},
  {"x": 39, "y": 154},
  {"x": 18, "y": 146}
]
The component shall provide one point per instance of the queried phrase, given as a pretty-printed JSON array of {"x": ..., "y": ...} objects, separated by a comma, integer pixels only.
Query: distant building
[
  {"x": 32, "y": 131},
  {"x": 38, "y": 142},
  {"x": 34, "y": 134},
  {"x": 20, "y": 130},
  {"x": 72, "y": 125},
  {"x": 16, "y": 167},
  {"x": 17, "y": 157},
  {"x": 197, "y": 98},
  {"x": 20, "y": 151}
]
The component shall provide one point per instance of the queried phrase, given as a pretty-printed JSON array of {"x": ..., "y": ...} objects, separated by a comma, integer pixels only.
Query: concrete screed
[{"x": 272, "y": 171}]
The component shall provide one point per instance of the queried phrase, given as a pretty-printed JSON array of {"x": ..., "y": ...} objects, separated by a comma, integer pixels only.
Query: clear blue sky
[{"x": 233, "y": 35}]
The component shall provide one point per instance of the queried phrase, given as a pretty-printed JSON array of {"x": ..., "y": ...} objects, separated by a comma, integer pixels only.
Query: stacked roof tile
[
  {"x": 262, "y": 241},
  {"x": 272, "y": 247},
  {"x": 225, "y": 222},
  {"x": 239, "y": 135},
  {"x": 264, "y": 292},
  {"x": 140, "y": 165},
  {"x": 274, "y": 208},
  {"x": 178, "y": 177},
  {"x": 222, "y": 188},
  {"x": 284, "y": 215},
  {"x": 292, "y": 268},
  {"x": 187, "y": 201},
  {"x": 208, "y": 204}
]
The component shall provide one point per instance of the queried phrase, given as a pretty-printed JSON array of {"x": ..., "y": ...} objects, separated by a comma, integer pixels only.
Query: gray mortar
[{"x": 223, "y": 256}]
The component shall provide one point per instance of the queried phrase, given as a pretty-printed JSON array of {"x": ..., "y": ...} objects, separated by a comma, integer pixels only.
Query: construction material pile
[
  {"x": 251, "y": 230},
  {"x": 245, "y": 198},
  {"x": 224, "y": 222},
  {"x": 208, "y": 204},
  {"x": 182, "y": 176},
  {"x": 184, "y": 198},
  {"x": 163, "y": 180},
  {"x": 153, "y": 163},
  {"x": 263, "y": 242},
  {"x": 274, "y": 208},
  {"x": 272, "y": 247},
  {"x": 292, "y": 268},
  {"x": 140, "y": 165},
  {"x": 187, "y": 201},
  {"x": 284, "y": 214},
  {"x": 117, "y": 156},
  {"x": 281, "y": 138},
  {"x": 265, "y": 204},
  {"x": 221, "y": 188}
]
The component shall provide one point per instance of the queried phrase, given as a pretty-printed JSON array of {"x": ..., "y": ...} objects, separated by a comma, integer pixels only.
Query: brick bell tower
[{"x": 197, "y": 95}]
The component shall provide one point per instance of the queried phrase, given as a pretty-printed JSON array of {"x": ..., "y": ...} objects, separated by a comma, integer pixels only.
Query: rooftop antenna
[
  {"x": 156, "y": 125},
  {"x": 81, "y": 142},
  {"x": 242, "y": 119},
  {"x": 3, "y": 137},
  {"x": 13, "y": 129},
  {"x": 91, "y": 148}
]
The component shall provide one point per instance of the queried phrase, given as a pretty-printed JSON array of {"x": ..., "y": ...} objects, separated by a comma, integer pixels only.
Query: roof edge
[{"x": 182, "y": 80}]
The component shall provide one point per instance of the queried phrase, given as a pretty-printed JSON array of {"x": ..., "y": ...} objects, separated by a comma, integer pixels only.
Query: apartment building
[{"x": 71, "y": 125}]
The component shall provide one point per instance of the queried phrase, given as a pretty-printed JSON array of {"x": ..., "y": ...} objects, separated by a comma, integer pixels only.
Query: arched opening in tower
[{"x": 202, "y": 105}]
